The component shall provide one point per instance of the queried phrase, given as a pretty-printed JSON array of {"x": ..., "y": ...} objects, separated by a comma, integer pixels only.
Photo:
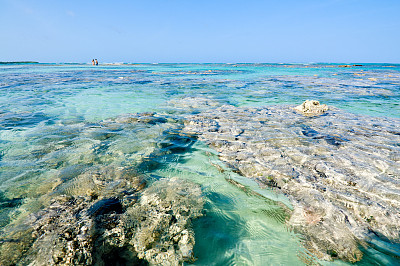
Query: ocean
[{"x": 203, "y": 164}]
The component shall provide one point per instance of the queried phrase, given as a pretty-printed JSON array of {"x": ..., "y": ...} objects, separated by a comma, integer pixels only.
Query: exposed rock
[{"x": 311, "y": 108}]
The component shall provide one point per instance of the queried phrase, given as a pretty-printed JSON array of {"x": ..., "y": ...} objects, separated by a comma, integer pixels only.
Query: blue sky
[{"x": 200, "y": 31}]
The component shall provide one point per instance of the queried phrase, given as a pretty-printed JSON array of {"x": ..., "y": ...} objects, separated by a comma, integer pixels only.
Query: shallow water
[{"x": 59, "y": 122}]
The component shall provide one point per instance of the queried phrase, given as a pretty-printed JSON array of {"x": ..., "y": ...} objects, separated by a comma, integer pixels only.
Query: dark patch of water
[{"x": 105, "y": 206}]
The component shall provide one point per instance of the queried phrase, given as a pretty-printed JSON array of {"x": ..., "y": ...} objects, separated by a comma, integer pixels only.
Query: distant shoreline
[
  {"x": 19, "y": 62},
  {"x": 312, "y": 64}
]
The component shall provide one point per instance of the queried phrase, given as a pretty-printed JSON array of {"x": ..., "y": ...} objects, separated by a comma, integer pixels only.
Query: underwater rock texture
[
  {"x": 131, "y": 228},
  {"x": 93, "y": 206},
  {"x": 340, "y": 171},
  {"x": 77, "y": 222},
  {"x": 160, "y": 222}
]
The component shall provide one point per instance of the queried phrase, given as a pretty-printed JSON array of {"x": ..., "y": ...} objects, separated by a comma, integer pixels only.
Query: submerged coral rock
[
  {"x": 342, "y": 181},
  {"x": 146, "y": 118},
  {"x": 78, "y": 215},
  {"x": 160, "y": 222},
  {"x": 86, "y": 230},
  {"x": 63, "y": 236},
  {"x": 311, "y": 108}
]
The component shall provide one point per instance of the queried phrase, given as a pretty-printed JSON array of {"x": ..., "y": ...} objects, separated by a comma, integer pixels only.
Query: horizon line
[{"x": 115, "y": 63}]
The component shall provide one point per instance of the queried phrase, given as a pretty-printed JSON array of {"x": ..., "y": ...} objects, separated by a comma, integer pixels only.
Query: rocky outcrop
[{"x": 311, "y": 108}]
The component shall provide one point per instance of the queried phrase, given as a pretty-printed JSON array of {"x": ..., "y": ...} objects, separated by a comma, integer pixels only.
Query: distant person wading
[{"x": 95, "y": 62}]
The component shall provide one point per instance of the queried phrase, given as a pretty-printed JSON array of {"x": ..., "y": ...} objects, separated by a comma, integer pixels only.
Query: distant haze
[{"x": 200, "y": 31}]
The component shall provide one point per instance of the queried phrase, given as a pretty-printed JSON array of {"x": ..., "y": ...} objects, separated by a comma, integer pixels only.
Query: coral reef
[
  {"x": 160, "y": 222},
  {"x": 97, "y": 207},
  {"x": 340, "y": 172},
  {"x": 132, "y": 228}
]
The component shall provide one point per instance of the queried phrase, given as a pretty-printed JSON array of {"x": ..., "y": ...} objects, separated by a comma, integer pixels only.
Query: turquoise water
[{"x": 55, "y": 124}]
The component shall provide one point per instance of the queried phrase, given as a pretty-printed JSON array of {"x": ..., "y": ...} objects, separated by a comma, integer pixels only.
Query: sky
[{"x": 220, "y": 31}]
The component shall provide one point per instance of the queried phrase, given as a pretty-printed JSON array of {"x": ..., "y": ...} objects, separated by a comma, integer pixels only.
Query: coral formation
[
  {"x": 134, "y": 227},
  {"x": 160, "y": 222},
  {"x": 311, "y": 107},
  {"x": 340, "y": 173},
  {"x": 99, "y": 208}
]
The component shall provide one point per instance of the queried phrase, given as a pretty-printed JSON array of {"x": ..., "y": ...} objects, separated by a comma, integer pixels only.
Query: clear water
[{"x": 51, "y": 131}]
